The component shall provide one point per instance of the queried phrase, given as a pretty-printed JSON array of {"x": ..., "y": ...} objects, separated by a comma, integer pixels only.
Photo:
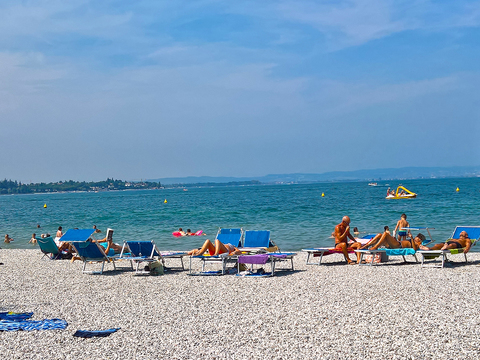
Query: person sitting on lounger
[
  {"x": 217, "y": 249},
  {"x": 462, "y": 242},
  {"x": 62, "y": 245},
  {"x": 117, "y": 248},
  {"x": 341, "y": 235},
  {"x": 390, "y": 242}
]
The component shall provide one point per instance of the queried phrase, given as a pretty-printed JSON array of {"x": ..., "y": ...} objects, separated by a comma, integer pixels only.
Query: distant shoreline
[{"x": 244, "y": 183}]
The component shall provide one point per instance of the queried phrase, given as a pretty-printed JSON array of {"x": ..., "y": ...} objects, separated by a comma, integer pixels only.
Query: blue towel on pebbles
[
  {"x": 15, "y": 316},
  {"x": 100, "y": 333},
  {"x": 405, "y": 251},
  {"x": 28, "y": 325}
]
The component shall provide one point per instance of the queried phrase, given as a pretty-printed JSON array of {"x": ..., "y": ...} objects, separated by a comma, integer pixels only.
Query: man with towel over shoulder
[{"x": 341, "y": 235}]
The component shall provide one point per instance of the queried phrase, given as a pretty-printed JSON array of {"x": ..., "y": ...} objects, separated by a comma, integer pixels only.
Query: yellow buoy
[
  {"x": 458, "y": 189},
  {"x": 165, "y": 201},
  {"x": 323, "y": 194},
  {"x": 44, "y": 205}
]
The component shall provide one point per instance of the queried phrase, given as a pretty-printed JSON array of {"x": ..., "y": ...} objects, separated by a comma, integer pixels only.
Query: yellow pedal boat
[{"x": 405, "y": 194}]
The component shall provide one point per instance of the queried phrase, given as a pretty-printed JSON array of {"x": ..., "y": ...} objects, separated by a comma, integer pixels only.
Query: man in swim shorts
[
  {"x": 390, "y": 242},
  {"x": 462, "y": 242},
  {"x": 402, "y": 223},
  {"x": 341, "y": 235}
]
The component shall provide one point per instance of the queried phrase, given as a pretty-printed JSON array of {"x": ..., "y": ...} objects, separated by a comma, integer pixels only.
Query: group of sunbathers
[{"x": 344, "y": 241}]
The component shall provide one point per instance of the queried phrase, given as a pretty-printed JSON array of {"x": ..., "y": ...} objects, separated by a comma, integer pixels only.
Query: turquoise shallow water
[{"x": 297, "y": 215}]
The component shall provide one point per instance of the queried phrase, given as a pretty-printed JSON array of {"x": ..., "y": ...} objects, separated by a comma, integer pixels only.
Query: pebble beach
[{"x": 331, "y": 311}]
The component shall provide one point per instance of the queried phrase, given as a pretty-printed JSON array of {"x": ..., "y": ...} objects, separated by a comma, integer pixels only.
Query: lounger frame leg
[
  {"x": 434, "y": 265},
  {"x": 310, "y": 253}
]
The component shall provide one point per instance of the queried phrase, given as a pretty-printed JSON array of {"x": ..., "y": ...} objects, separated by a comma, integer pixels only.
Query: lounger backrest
[
  {"x": 88, "y": 250},
  {"x": 231, "y": 231},
  {"x": 143, "y": 248},
  {"x": 257, "y": 239},
  {"x": 77, "y": 235},
  {"x": 234, "y": 239},
  {"x": 472, "y": 231},
  {"x": 48, "y": 246}
]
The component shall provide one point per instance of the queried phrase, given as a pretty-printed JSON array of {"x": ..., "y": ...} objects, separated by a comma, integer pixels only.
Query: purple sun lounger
[{"x": 262, "y": 259}]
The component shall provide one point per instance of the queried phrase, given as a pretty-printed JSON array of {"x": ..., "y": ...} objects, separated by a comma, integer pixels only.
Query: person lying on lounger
[
  {"x": 390, "y": 242},
  {"x": 218, "y": 248},
  {"x": 341, "y": 235},
  {"x": 463, "y": 242}
]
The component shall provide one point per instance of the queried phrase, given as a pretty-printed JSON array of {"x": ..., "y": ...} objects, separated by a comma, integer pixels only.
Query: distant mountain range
[{"x": 357, "y": 175}]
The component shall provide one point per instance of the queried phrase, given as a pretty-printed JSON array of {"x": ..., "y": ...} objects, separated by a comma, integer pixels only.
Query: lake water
[{"x": 297, "y": 215}]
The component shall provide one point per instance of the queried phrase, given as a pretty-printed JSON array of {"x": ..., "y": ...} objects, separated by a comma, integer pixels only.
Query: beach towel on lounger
[{"x": 397, "y": 252}]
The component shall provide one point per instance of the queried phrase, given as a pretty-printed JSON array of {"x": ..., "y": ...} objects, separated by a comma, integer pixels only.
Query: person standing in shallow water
[
  {"x": 341, "y": 235},
  {"x": 33, "y": 240}
]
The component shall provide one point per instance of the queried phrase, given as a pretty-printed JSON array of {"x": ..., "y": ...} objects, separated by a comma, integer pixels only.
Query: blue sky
[{"x": 150, "y": 89}]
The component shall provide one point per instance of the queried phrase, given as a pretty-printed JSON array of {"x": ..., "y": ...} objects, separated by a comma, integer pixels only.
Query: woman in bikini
[
  {"x": 390, "y": 242},
  {"x": 217, "y": 249}
]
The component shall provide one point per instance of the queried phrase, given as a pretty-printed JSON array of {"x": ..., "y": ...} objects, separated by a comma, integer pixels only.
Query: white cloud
[{"x": 355, "y": 22}]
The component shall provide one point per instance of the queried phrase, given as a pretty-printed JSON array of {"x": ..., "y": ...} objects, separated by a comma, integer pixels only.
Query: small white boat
[{"x": 372, "y": 184}]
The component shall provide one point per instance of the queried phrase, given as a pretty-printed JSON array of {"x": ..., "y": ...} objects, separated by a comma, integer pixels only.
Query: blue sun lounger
[
  {"x": 474, "y": 235},
  {"x": 230, "y": 236},
  {"x": 258, "y": 241},
  {"x": 396, "y": 252},
  {"x": 141, "y": 251},
  {"x": 88, "y": 252},
  {"x": 225, "y": 236}
]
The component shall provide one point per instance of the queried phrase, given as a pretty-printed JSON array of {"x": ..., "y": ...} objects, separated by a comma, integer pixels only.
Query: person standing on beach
[
  {"x": 402, "y": 223},
  {"x": 341, "y": 235}
]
